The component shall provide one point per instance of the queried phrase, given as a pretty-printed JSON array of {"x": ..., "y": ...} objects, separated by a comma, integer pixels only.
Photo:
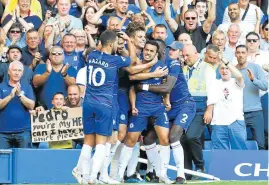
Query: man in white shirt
[
  {"x": 228, "y": 125},
  {"x": 234, "y": 14},
  {"x": 245, "y": 8}
]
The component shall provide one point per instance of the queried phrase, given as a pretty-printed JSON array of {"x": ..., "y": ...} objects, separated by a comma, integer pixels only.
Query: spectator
[
  {"x": 265, "y": 40},
  {"x": 254, "y": 81},
  {"x": 66, "y": 21},
  {"x": 185, "y": 39},
  {"x": 247, "y": 12},
  {"x": 121, "y": 8},
  {"x": 234, "y": 14},
  {"x": 221, "y": 6},
  {"x": 33, "y": 54},
  {"x": 228, "y": 126},
  {"x": 198, "y": 33},
  {"x": 14, "y": 53},
  {"x": 71, "y": 56},
  {"x": 158, "y": 14},
  {"x": 3, "y": 48},
  {"x": 74, "y": 99},
  {"x": 14, "y": 35},
  {"x": 22, "y": 12},
  {"x": 233, "y": 35},
  {"x": 48, "y": 6},
  {"x": 211, "y": 56},
  {"x": 58, "y": 102},
  {"x": 53, "y": 77},
  {"x": 84, "y": 40},
  {"x": 200, "y": 76},
  {"x": 32, "y": 6},
  {"x": 16, "y": 99},
  {"x": 89, "y": 13}
]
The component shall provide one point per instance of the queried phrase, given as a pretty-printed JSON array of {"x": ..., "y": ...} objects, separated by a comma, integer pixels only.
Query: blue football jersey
[
  {"x": 100, "y": 77},
  {"x": 146, "y": 97},
  {"x": 180, "y": 90}
]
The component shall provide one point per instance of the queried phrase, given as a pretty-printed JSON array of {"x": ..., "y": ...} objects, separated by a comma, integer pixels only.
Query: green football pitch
[{"x": 195, "y": 183}]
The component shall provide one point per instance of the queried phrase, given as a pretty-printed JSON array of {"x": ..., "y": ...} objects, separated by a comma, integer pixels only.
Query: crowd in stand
[{"x": 222, "y": 48}]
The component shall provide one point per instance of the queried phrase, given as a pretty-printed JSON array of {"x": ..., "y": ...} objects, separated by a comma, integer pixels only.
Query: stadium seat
[
  {"x": 249, "y": 134},
  {"x": 207, "y": 134},
  {"x": 252, "y": 145},
  {"x": 208, "y": 145}
]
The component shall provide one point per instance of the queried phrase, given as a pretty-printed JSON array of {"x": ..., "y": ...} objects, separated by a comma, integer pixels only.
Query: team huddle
[{"x": 160, "y": 105}]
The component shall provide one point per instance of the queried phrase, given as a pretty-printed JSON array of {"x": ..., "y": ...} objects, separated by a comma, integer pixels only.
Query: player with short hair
[{"x": 147, "y": 104}]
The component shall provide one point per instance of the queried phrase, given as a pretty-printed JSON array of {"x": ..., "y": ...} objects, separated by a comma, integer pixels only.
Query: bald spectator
[
  {"x": 200, "y": 76},
  {"x": 198, "y": 33},
  {"x": 16, "y": 99},
  {"x": 74, "y": 98},
  {"x": 247, "y": 12},
  {"x": 185, "y": 39}
]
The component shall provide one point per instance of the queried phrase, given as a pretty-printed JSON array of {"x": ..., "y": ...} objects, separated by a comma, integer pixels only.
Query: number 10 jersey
[{"x": 99, "y": 77}]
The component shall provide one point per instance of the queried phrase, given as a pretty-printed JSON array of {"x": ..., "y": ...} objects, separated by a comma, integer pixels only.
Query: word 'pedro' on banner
[{"x": 57, "y": 125}]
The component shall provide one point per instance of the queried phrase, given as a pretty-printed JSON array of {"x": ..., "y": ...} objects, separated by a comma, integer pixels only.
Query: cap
[
  {"x": 14, "y": 47},
  {"x": 176, "y": 45}
]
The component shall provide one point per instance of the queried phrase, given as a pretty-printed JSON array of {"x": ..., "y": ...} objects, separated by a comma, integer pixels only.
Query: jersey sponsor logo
[
  {"x": 99, "y": 62},
  {"x": 122, "y": 117}
]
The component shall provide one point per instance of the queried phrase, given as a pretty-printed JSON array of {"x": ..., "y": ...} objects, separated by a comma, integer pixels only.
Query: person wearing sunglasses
[
  {"x": 14, "y": 35},
  {"x": 190, "y": 16},
  {"x": 265, "y": 41},
  {"x": 255, "y": 82},
  {"x": 53, "y": 77}
]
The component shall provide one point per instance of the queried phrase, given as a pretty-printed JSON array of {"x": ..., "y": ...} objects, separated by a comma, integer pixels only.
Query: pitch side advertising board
[{"x": 239, "y": 165}]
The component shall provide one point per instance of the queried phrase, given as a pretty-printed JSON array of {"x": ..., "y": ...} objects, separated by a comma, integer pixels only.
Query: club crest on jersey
[
  {"x": 122, "y": 117},
  {"x": 131, "y": 125},
  {"x": 123, "y": 58}
]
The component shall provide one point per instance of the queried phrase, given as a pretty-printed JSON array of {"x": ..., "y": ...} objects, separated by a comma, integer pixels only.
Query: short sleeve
[
  {"x": 40, "y": 69},
  {"x": 124, "y": 61},
  {"x": 82, "y": 76},
  {"x": 72, "y": 72},
  {"x": 30, "y": 93},
  {"x": 175, "y": 69}
]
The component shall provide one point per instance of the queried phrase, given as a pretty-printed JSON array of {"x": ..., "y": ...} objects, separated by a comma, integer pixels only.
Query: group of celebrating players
[{"x": 159, "y": 98}]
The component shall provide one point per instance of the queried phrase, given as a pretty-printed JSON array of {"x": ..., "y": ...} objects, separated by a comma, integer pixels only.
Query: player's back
[
  {"x": 180, "y": 91},
  {"x": 102, "y": 71}
]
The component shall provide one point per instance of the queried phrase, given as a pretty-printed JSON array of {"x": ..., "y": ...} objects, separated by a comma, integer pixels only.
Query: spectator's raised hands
[
  {"x": 13, "y": 92},
  {"x": 48, "y": 15},
  {"x": 48, "y": 66},
  {"x": 129, "y": 14}
]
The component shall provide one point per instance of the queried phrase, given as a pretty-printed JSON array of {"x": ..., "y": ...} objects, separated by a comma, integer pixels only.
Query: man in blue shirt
[
  {"x": 255, "y": 80},
  {"x": 16, "y": 98},
  {"x": 71, "y": 57},
  {"x": 53, "y": 77},
  {"x": 157, "y": 14}
]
